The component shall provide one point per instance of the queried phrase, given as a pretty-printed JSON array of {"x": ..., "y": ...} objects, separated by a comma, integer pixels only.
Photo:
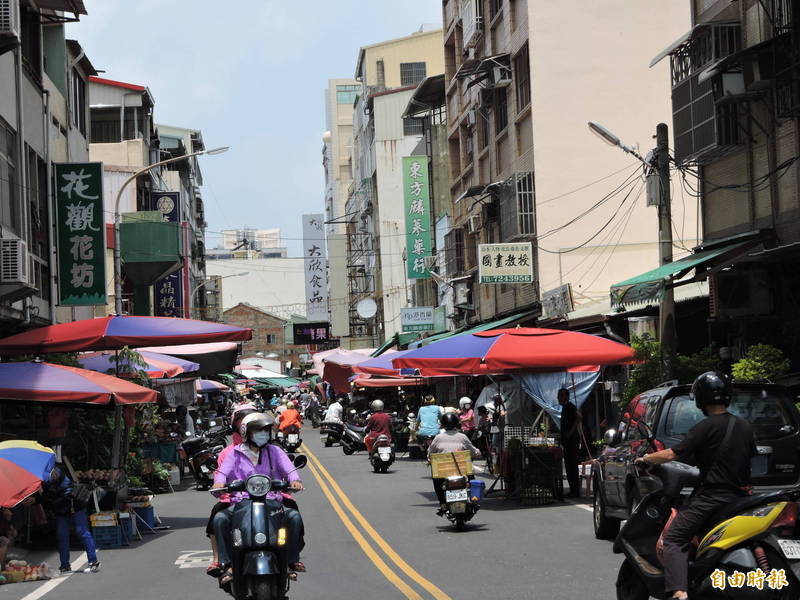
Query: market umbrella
[
  {"x": 339, "y": 367},
  {"x": 213, "y": 358},
  {"x": 23, "y": 467},
  {"x": 117, "y": 331},
  {"x": 524, "y": 349},
  {"x": 207, "y": 385},
  {"x": 380, "y": 365},
  {"x": 45, "y": 382},
  {"x": 365, "y": 381},
  {"x": 158, "y": 365}
]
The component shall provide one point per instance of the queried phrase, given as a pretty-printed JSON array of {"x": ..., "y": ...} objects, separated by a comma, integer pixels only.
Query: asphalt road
[{"x": 368, "y": 536}]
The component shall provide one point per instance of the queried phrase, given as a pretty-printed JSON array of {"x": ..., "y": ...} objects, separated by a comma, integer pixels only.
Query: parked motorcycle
[
  {"x": 353, "y": 439},
  {"x": 382, "y": 455},
  {"x": 330, "y": 433},
  {"x": 755, "y": 532},
  {"x": 461, "y": 502},
  {"x": 258, "y": 560},
  {"x": 201, "y": 454}
]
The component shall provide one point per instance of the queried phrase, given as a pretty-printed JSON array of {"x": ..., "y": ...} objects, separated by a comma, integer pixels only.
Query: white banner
[
  {"x": 505, "y": 263},
  {"x": 315, "y": 267}
]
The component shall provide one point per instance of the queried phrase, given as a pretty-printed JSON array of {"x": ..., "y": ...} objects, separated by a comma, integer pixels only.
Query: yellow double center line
[{"x": 334, "y": 494}]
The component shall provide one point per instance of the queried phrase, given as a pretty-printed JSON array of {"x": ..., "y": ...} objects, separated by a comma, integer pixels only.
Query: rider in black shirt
[{"x": 721, "y": 446}]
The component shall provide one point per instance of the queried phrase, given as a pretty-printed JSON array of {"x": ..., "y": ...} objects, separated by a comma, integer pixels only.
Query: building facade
[{"x": 269, "y": 333}]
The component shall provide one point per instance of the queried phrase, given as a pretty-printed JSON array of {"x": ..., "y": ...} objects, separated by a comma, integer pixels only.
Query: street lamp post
[
  {"x": 660, "y": 163},
  {"x": 117, "y": 218}
]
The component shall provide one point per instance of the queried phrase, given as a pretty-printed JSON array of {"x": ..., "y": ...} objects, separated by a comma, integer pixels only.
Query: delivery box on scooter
[{"x": 451, "y": 464}]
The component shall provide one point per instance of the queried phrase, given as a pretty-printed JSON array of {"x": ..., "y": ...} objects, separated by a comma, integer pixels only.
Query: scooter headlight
[{"x": 258, "y": 485}]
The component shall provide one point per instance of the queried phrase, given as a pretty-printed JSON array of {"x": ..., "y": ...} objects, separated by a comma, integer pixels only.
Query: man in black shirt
[
  {"x": 721, "y": 446},
  {"x": 570, "y": 423}
]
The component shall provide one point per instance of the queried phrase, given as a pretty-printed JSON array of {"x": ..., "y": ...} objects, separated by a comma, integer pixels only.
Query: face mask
[{"x": 260, "y": 438}]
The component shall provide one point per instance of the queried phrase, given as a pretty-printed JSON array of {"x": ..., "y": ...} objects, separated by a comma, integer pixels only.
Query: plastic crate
[
  {"x": 536, "y": 496},
  {"x": 147, "y": 514},
  {"x": 126, "y": 523},
  {"x": 107, "y": 537}
]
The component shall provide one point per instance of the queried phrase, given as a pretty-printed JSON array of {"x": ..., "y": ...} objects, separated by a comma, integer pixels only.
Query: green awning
[
  {"x": 398, "y": 339},
  {"x": 277, "y": 382},
  {"x": 477, "y": 328},
  {"x": 651, "y": 285}
]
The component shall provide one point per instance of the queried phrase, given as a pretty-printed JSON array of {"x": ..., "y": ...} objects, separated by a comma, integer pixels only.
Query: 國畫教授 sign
[
  {"x": 418, "y": 318},
  {"x": 315, "y": 266},
  {"x": 416, "y": 195},
  {"x": 81, "y": 234},
  {"x": 505, "y": 263}
]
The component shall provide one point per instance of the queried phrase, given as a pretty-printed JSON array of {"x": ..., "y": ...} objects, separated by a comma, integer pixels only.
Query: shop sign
[
  {"x": 418, "y": 318},
  {"x": 81, "y": 234},
  {"x": 315, "y": 268},
  {"x": 558, "y": 301},
  {"x": 416, "y": 194},
  {"x": 505, "y": 263},
  {"x": 440, "y": 318},
  {"x": 168, "y": 291},
  {"x": 311, "y": 333}
]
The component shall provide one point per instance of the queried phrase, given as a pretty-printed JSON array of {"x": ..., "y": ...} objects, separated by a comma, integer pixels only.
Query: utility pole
[{"x": 666, "y": 321}]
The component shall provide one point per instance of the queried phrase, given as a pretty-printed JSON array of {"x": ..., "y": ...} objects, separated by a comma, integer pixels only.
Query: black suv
[{"x": 670, "y": 412}]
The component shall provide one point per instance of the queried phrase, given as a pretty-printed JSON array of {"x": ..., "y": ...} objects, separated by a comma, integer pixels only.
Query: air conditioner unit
[
  {"x": 14, "y": 262},
  {"x": 472, "y": 116},
  {"x": 461, "y": 295},
  {"x": 501, "y": 76},
  {"x": 9, "y": 20},
  {"x": 474, "y": 224},
  {"x": 740, "y": 292}
]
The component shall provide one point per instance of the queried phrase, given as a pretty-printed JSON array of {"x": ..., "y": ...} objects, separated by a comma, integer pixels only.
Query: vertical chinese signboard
[
  {"x": 505, "y": 263},
  {"x": 416, "y": 195},
  {"x": 168, "y": 292},
  {"x": 81, "y": 234},
  {"x": 315, "y": 268}
]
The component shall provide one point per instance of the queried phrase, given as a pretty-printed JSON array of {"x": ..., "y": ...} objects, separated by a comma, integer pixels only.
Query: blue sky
[{"x": 252, "y": 78}]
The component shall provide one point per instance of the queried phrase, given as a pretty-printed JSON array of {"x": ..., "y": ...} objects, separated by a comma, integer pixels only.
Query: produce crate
[
  {"x": 108, "y": 537},
  {"x": 536, "y": 496},
  {"x": 449, "y": 464}
]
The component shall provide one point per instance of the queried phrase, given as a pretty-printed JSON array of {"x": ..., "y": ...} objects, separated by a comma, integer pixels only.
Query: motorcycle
[
  {"x": 382, "y": 455},
  {"x": 201, "y": 457},
  {"x": 258, "y": 560},
  {"x": 353, "y": 439},
  {"x": 330, "y": 433},
  {"x": 754, "y": 532},
  {"x": 290, "y": 439},
  {"x": 460, "y": 502}
]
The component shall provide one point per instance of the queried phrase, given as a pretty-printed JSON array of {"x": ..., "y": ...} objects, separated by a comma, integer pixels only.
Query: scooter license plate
[
  {"x": 791, "y": 548},
  {"x": 456, "y": 495},
  {"x": 323, "y": 437},
  {"x": 384, "y": 451},
  {"x": 293, "y": 438}
]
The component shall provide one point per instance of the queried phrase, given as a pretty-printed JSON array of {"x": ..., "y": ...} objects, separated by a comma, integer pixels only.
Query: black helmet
[
  {"x": 711, "y": 387},
  {"x": 449, "y": 420}
]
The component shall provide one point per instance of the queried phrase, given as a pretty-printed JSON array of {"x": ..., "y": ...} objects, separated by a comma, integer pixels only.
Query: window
[
  {"x": 500, "y": 110},
  {"x": 347, "y": 94},
  {"x": 380, "y": 74},
  {"x": 454, "y": 251},
  {"x": 78, "y": 99},
  {"x": 495, "y": 6},
  {"x": 522, "y": 78},
  {"x": 9, "y": 208},
  {"x": 483, "y": 129},
  {"x": 270, "y": 337},
  {"x": 412, "y": 126},
  {"x": 526, "y": 204},
  {"x": 471, "y": 251},
  {"x": 412, "y": 73}
]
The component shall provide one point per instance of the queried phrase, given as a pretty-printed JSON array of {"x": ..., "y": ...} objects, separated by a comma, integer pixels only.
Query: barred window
[
  {"x": 522, "y": 78},
  {"x": 495, "y": 7},
  {"x": 454, "y": 251},
  {"x": 526, "y": 204},
  {"x": 412, "y": 126},
  {"x": 412, "y": 73}
]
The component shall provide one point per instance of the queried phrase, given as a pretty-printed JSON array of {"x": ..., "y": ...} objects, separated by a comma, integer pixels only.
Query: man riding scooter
[
  {"x": 722, "y": 445},
  {"x": 256, "y": 456},
  {"x": 450, "y": 440}
]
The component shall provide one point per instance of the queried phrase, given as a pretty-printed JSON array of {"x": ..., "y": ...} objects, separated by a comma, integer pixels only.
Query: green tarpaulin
[{"x": 483, "y": 327}]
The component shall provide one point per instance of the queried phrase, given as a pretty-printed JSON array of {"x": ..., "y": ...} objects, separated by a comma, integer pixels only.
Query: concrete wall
[
  {"x": 419, "y": 47},
  {"x": 130, "y": 153},
  {"x": 589, "y": 61}
]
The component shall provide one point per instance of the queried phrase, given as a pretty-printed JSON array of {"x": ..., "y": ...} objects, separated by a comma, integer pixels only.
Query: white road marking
[
  {"x": 49, "y": 586},
  {"x": 584, "y": 506},
  {"x": 193, "y": 559}
]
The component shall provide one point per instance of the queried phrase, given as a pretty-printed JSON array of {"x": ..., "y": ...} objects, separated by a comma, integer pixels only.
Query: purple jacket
[{"x": 274, "y": 463}]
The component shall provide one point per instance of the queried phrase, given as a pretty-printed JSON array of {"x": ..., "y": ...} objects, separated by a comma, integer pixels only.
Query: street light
[
  {"x": 660, "y": 162},
  {"x": 117, "y": 217}
]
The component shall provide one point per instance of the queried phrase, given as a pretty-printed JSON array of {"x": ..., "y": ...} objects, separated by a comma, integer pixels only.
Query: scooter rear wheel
[
  {"x": 460, "y": 522},
  {"x": 384, "y": 467},
  {"x": 630, "y": 585},
  {"x": 264, "y": 588}
]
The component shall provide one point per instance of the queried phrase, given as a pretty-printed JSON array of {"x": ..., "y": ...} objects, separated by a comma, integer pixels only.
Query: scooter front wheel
[
  {"x": 630, "y": 585},
  {"x": 347, "y": 449}
]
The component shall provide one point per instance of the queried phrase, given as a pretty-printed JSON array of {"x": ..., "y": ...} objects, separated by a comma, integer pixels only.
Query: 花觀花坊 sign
[
  {"x": 505, "y": 263},
  {"x": 81, "y": 234},
  {"x": 416, "y": 194},
  {"x": 315, "y": 267},
  {"x": 418, "y": 318}
]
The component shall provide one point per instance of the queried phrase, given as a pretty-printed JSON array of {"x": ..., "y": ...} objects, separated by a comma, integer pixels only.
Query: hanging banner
[
  {"x": 81, "y": 234},
  {"x": 505, "y": 263},
  {"x": 416, "y": 194},
  {"x": 315, "y": 267},
  {"x": 418, "y": 318},
  {"x": 557, "y": 302},
  {"x": 168, "y": 292}
]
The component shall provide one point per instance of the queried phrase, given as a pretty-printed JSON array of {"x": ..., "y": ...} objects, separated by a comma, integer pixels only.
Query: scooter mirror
[
  {"x": 300, "y": 461},
  {"x": 610, "y": 437}
]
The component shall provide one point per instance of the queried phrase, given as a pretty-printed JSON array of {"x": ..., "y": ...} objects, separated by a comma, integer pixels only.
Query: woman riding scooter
[{"x": 257, "y": 455}]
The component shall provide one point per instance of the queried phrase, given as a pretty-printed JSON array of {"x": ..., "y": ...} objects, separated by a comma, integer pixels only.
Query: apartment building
[
  {"x": 388, "y": 73},
  {"x": 43, "y": 121}
]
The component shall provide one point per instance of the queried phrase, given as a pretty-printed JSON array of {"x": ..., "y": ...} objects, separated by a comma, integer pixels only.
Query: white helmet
[
  {"x": 465, "y": 401},
  {"x": 376, "y": 405},
  {"x": 256, "y": 421}
]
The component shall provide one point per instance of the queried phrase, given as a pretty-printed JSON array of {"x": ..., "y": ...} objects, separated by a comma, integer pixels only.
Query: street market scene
[{"x": 425, "y": 300}]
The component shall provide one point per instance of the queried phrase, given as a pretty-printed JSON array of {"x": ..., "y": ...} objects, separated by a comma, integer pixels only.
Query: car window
[
  {"x": 645, "y": 410},
  {"x": 625, "y": 424},
  {"x": 769, "y": 416}
]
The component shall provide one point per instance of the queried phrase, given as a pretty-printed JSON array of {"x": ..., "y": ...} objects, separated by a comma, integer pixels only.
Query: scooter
[
  {"x": 330, "y": 433},
  {"x": 258, "y": 560},
  {"x": 201, "y": 454},
  {"x": 353, "y": 439},
  {"x": 754, "y": 532},
  {"x": 382, "y": 455},
  {"x": 290, "y": 439},
  {"x": 461, "y": 504}
]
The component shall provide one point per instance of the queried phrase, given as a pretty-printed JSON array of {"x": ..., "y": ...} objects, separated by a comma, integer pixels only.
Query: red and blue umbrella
[
  {"x": 208, "y": 385},
  {"x": 524, "y": 349},
  {"x": 117, "y": 331},
  {"x": 158, "y": 365},
  {"x": 23, "y": 467}
]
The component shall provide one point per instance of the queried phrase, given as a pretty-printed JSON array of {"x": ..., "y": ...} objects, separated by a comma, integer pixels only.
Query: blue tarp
[{"x": 543, "y": 388}]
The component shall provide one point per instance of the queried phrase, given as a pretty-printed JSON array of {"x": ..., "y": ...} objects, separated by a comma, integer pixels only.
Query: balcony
[{"x": 150, "y": 250}]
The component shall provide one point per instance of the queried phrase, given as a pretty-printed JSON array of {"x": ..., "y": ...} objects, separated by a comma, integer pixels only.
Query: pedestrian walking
[{"x": 570, "y": 426}]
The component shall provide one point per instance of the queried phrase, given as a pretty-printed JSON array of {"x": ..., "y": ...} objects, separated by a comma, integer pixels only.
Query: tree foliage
[
  {"x": 647, "y": 372},
  {"x": 761, "y": 361}
]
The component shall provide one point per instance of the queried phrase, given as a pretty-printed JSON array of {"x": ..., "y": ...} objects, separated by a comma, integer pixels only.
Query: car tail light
[
  {"x": 455, "y": 483},
  {"x": 786, "y": 520}
]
